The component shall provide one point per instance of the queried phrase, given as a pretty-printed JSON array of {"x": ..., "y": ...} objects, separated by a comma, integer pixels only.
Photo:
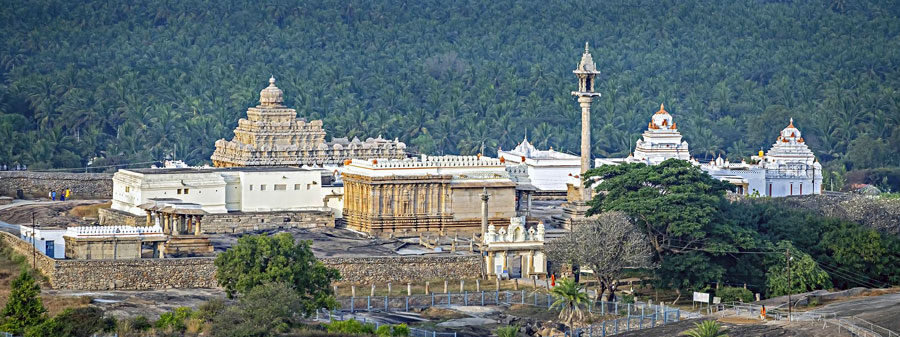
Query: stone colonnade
[
  {"x": 417, "y": 203},
  {"x": 174, "y": 223}
]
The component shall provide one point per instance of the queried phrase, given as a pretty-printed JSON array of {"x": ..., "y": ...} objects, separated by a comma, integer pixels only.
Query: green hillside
[{"x": 136, "y": 82}]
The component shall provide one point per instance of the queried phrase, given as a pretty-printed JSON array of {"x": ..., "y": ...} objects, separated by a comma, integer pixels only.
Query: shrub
[
  {"x": 400, "y": 330},
  {"x": 507, "y": 331},
  {"x": 628, "y": 298},
  {"x": 74, "y": 322},
  {"x": 24, "y": 307},
  {"x": 140, "y": 323},
  {"x": 351, "y": 326},
  {"x": 383, "y": 331},
  {"x": 266, "y": 310},
  {"x": 174, "y": 320},
  {"x": 706, "y": 329},
  {"x": 734, "y": 294}
]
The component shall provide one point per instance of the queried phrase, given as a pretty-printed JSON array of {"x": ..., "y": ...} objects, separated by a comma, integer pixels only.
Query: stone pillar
[
  {"x": 427, "y": 287},
  {"x": 528, "y": 268},
  {"x": 352, "y": 291},
  {"x": 148, "y": 218},
  {"x": 372, "y": 293},
  {"x": 408, "y": 289},
  {"x": 446, "y": 290},
  {"x": 477, "y": 284},
  {"x": 389, "y": 288},
  {"x": 484, "y": 212},
  {"x": 165, "y": 221},
  {"x": 505, "y": 260},
  {"x": 585, "y": 102},
  {"x": 490, "y": 264},
  {"x": 462, "y": 286},
  {"x": 162, "y": 250},
  {"x": 528, "y": 210},
  {"x": 197, "y": 230}
]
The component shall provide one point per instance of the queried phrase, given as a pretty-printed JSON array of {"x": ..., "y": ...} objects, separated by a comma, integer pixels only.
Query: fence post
[
  {"x": 628, "y": 324},
  {"x": 482, "y": 298},
  {"x": 548, "y": 301},
  {"x": 386, "y": 308},
  {"x": 448, "y": 299},
  {"x": 432, "y": 299},
  {"x": 407, "y": 303},
  {"x": 368, "y": 303},
  {"x": 351, "y": 304},
  {"x": 427, "y": 287},
  {"x": 617, "y": 325},
  {"x": 389, "y": 289},
  {"x": 467, "y": 298},
  {"x": 603, "y": 308},
  {"x": 497, "y": 297},
  {"x": 523, "y": 296},
  {"x": 446, "y": 290},
  {"x": 352, "y": 291},
  {"x": 653, "y": 320},
  {"x": 603, "y": 334},
  {"x": 628, "y": 309}
]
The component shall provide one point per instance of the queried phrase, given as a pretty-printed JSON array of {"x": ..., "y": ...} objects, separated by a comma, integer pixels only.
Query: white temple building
[
  {"x": 515, "y": 251},
  {"x": 223, "y": 190},
  {"x": 660, "y": 142},
  {"x": 788, "y": 168},
  {"x": 547, "y": 170}
]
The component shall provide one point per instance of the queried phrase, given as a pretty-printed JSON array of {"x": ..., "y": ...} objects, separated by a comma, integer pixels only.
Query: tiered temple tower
[
  {"x": 586, "y": 73},
  {"x": 661, "y": 140},
  {"x": 272, "y": 135}
]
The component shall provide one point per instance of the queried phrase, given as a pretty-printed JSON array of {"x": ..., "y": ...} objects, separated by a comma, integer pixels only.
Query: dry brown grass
[
  {"x": 439, "y": 314},
  {"x": 738, "y": 320},
  {"x": 90, "y": 211},
  {"x": 56, "y": 304}
]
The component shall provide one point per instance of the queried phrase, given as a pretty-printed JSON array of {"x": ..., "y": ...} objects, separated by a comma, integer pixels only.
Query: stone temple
[{"x": 272, "y": 135}]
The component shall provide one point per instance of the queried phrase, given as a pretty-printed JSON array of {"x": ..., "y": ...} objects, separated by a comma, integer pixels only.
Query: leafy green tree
[
  {"x": 709, "y": 328},
  {"x": 79, "y": 322},
  {"x": 805, "y": 273},
  {"x": 570, "y": 298},
  {"x": 267, "y": 309},
  {"x": 24, "y": 307},
  {"x": 734, "y": 294},
  {"x": 678, "y": 207},
  {"x": 257, "y": 259}
]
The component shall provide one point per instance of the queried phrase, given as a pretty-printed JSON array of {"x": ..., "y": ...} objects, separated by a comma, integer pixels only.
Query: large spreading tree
[
  {"x": 259, "y": 259},
  {"x": 678, "y": 207}
]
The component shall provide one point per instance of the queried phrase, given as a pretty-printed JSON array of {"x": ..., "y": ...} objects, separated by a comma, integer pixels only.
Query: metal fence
[{"x": 328, "y": 316}]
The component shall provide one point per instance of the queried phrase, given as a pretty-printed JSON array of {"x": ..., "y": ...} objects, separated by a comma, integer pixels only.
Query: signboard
[
  {"x": 701, "y": 297},
  {"x": 717, "y": 300}
]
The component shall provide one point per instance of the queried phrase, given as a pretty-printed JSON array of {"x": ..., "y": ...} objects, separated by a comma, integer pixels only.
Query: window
[
  {"x": 179, "y": 191},
  {"x": 251, "y": 187},
  {"x": 297, "y": 187},
  {"x": 262, "y": 187},
  {"x": 127, "y": 189},
  {"x": 280, "y": 187},
  {"x": 186, "y": 190}
]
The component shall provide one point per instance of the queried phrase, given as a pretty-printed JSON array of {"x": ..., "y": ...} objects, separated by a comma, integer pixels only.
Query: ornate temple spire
[
  {"x": 271, "y": 96},
  {"x": 662, "y": 109}
]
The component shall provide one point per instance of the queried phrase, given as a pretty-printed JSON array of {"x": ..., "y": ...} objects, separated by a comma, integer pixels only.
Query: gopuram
[{"x": 272, "y": 135}]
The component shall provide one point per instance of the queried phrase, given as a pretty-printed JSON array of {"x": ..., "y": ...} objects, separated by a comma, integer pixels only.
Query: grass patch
[
  {"x": 440, "y": 314},
  {"x": 89, "y": 211}
]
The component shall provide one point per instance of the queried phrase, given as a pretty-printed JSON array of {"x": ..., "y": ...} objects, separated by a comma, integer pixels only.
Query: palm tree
[
  {"x": 706, "y": 329},
  {"x": 569, "y": 299}
]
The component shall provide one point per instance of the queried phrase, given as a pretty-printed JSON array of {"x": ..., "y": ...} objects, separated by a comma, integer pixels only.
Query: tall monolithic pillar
[{"x": 586, "y": 73}]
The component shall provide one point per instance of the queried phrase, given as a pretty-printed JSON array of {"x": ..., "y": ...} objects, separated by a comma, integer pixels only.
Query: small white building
[
  {"x": 514, "y": 251},
  {"x": 223, "y": 190},
  {"x": 48, "y": 240},
  {"x": 789, "y": 168},
  {"x": 548, "y": 170}
]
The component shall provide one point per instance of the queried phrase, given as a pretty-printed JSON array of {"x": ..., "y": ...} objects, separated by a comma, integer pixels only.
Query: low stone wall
[
  {"x": 114, "y": 217},
  {"x": 235, "y": 222},
  {"x": 38, "y": 184},
  {"x": 254, "y": 221},
  {"x": 383, "y": 269},
  {"x": 139, "y": 274}
]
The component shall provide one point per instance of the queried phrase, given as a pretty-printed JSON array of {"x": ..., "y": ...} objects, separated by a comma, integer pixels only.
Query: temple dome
[
  {"x": 662, "y": 118},
  {"x": 790, "y": 133},
  {"x": 271, "y": 95}
]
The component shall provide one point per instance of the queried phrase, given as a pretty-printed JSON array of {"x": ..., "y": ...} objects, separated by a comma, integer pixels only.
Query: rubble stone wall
[
  {"x": 383, "y": 269},
  {"x": 199, "y": 272},
  {"x": 234, "y": 222},
  {"x": 38, "y": 184}
]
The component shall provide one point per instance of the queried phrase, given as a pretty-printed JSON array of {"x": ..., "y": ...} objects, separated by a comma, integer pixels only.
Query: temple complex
[
  {"x": 547, "y": 170},
  {"x": 272, "y": 135},
  {"x": 788, "y": 168},
  {"x": 429, "y": 194},
  {"x": 661, "y": 141}
]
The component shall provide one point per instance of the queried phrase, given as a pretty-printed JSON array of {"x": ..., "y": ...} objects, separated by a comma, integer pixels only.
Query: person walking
[
  {"x": 62, "y": 196},
  {"x": 53, "y": 196},
  {"x": 67, "y": 193}
]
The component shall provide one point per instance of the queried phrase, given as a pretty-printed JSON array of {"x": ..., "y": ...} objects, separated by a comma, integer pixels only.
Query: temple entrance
[{"x": 515, "y": 266}]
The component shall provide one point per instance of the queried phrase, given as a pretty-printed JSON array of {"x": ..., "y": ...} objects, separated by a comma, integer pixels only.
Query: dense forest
[{"x": 109, "y": 82}]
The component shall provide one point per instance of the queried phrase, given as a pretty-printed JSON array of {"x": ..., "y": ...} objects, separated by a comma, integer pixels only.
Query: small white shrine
[
  {"x": 547, "y": 170},
  {"x": 515, "y": 251}
]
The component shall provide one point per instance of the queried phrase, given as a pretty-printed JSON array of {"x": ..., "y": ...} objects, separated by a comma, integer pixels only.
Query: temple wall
[
  {"x": 467, "y": 203},
  {"x": 235, "y": 222},
  {"x": 38, "y": 184},
  {"x": 199, "y": 272}
]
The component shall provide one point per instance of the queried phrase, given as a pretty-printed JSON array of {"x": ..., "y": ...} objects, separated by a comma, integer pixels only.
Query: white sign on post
[
  {"x": 717, "y": 300},
  {"x": 701, "y": 297}
]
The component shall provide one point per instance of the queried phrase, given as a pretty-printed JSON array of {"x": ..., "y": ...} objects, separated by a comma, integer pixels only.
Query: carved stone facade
[
  {"x": 514, "y": 252},
  {"x": 272, "y": 135},
  {"x": 434, "y": 194}
]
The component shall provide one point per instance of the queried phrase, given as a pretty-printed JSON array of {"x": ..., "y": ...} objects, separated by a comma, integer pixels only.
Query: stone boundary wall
[
  {"x": 234, "y": 222},
  {"x": 384, "y": 269},
  {"x": 114, "y": 217},
  {"x": 38, "y": 184},
  {"x": 199, "y": 272}
]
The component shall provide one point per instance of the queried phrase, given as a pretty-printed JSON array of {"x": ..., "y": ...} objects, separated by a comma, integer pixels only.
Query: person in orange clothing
[
  {"x": 762, "y": 314},
  {"x": 552, "y": 280}
]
